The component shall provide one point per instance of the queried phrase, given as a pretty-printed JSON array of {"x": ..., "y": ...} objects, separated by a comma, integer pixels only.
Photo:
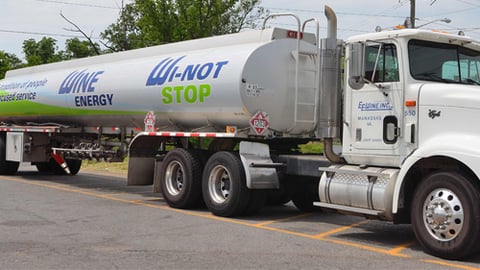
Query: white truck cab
[{"x": 411, "y": 147}]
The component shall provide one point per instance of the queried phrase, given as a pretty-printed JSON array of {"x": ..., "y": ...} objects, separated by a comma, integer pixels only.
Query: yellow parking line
[
  {"x": 400, "y": 248},
  {"x": 265, "y": 223},
  {"x": 366, "y": 247},
  {"x": 454, "y": 265},
  {"x": 338, "y": 230}
]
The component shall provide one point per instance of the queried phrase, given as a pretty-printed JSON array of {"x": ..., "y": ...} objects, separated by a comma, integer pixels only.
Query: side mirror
[{"x": 356, "y": 65}]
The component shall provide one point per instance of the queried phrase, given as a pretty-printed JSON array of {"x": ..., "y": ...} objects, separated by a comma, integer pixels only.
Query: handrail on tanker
[{"x": 317, "y": 63}]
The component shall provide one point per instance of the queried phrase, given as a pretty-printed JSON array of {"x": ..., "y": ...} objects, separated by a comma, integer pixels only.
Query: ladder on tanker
[{"x": 307, "y": 71}]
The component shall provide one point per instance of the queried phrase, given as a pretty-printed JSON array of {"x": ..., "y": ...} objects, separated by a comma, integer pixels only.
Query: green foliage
[
  {"x": 8, "y": 61},
  {"x": 125, "y": 34},
  {"x": 79, "y": 49},
  {"x": 311, "y": 148},
  {"x": 41, "y": 52},
  {"x": 46, "y": 50},
  {"x": 152, "y": 22}
]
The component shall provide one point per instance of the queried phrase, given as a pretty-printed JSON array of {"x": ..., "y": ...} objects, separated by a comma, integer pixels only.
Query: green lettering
[
  {"x": 178, "y": 90},
  {"x": 190, "y": 94},
  {"x": 204, "y": 90},
  {"x": 167, "y": 95}
]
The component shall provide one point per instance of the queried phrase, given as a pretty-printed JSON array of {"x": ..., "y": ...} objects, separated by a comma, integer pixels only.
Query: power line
[
  {"x": 77, "y": 4},
  {"x": 337, "y": 12},
  {"x": 42, "y": 34}
]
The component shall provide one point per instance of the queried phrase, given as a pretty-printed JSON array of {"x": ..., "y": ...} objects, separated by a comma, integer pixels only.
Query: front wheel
[{"x": 445, "y": 215}]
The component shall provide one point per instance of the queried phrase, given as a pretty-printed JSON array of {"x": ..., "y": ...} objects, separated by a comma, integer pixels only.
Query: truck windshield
[{"x": 430, "y": 61}]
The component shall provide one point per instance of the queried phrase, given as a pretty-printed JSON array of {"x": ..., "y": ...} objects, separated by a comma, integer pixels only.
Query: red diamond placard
[
  {"x": 149, "y": 122},
  {"x": 259, "y": 122}
]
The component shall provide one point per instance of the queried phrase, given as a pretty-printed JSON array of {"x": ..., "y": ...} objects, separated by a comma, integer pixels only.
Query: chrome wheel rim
[
  {"x": 219, "y": 184},
  {"x": 443, "y": 214},
  {"x": 174, "y": 178}
]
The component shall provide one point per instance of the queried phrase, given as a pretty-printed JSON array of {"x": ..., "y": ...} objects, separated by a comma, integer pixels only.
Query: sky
[{"x": 25, "y": 19}]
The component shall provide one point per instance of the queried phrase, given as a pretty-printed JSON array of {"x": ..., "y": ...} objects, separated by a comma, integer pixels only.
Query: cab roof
[{"x": 421, "y": 34}]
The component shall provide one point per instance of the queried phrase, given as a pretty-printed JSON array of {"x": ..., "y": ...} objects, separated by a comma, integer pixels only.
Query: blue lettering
[
  {"x": 152, "y": 79},
  {"x": 77, "y": 82},
  {"x": 219, "y": 68},
  {"x": 94, "y": 100},
  {"x": 65, "y": 87},
  {"x": 190, "y": 72},
  {"x": 159, "y": 75},
  {"x": 93, "y": 80},
  {"x": 203, "y": 73},
  {"x": 168, "y": 70}
]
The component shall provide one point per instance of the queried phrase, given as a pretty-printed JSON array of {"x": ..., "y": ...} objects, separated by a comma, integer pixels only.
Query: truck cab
[
  {"x": 409, "y": 143},
  {"x": 408, "y": 78}
]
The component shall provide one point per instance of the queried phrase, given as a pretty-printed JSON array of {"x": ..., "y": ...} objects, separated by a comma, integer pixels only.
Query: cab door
[{"x": 376, "y": 109}]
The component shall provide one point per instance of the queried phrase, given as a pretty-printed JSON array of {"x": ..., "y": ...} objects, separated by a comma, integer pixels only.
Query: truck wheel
[
  {"x": 279, "y": 196},
  {"x": 74, "y": 165},
  {"x": 6, "y": 167},
  {"x": 258, "y": 198},
  {"x": 304, "y": 192},
  {"x": 224, "y": 187},
  {"x": 445, "y": 215},
  {"x": 181, "y": 179},
  {"x": 43, "y": 167}
]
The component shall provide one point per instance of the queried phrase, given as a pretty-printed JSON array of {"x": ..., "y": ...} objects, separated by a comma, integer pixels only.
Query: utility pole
[{"x": 412, "y": 13}]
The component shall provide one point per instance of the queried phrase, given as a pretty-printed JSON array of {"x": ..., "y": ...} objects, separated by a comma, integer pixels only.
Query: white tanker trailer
[{"x": 220, "y": 120}]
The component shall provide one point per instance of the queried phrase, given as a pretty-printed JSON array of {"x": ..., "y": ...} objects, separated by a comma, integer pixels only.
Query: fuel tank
[{"x": 204, "y": 83}]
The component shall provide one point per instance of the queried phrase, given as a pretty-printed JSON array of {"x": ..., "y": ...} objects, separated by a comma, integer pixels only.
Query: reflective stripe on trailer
[
  {"x": 29, "y": 129},
  {"x": 188, "y": 134}
]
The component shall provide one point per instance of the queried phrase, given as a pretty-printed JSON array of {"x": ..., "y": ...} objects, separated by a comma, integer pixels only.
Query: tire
[
  {"x": 224, "y": 186},
  {"x": 181, "y": 179},
  {"x": 304, "y": 193},
  {"x": 279, "y": 196},
  {"x": 257, "y": 200},
  {"x": 6, "y": 167},
  {"x": 74, "y": 165},
  {"x": 445, "y": 215},
  {"x": 43, "y": 167}
]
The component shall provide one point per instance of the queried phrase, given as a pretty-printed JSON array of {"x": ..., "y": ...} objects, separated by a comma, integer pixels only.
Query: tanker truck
[{"x": 219, "y": 120}]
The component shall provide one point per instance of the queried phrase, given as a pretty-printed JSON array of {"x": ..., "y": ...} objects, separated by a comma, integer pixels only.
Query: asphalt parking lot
[{"x": 95, "y": 221}]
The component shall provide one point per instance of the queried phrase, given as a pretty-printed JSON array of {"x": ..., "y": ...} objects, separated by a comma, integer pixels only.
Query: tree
[
  {"x": 41, "y": 52},
  {"x": 8, "y": 61},
  {"x": 152, "y": 22},
  {"x": 124, "y": 34},
  {"x": 74, "y": 48}
]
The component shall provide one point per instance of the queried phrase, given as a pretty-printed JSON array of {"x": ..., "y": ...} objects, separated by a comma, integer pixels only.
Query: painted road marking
[{"x": 325, "y": 236}]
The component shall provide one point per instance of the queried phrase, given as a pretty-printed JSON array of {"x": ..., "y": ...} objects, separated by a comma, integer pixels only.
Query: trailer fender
[
  {"x": 260, "y": 170},
  {"x": 141, "y": 159}
]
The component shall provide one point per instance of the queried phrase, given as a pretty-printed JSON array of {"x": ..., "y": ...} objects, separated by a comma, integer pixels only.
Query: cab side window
[{"x": 381, "y": 63}]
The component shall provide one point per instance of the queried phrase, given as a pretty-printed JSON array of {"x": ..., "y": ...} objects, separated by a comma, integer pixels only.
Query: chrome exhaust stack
[{"x": 330, "y": 87}]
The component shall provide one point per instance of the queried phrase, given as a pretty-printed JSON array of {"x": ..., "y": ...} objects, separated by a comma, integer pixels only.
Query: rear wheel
[
  {"x": 43, "y": 167},
  {"x": 74, "y": 165},
  {"x": 181, "y": 178},
  {"x": 445, "y": 215},
  {"x": 224, "y": 186}
]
